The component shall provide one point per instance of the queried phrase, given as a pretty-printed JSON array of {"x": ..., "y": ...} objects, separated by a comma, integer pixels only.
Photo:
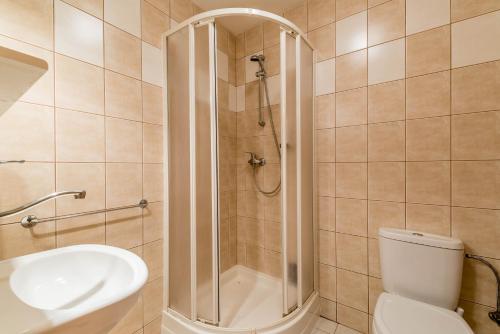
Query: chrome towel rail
[
  {"x": 77, "y": 194},
  {"x": 32, "y": 220}
]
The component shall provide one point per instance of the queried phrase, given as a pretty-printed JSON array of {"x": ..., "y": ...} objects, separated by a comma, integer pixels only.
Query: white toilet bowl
[{"x": 399, "y": 315}]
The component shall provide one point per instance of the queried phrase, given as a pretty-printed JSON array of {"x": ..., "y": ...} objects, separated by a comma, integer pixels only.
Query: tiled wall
[
  {"x": 259, "y": 228},
  {"x": 407, "y": 136},
  {"x": 93, "y": 122}
]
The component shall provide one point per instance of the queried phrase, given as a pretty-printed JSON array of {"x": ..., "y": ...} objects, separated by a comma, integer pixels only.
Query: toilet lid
[{"x": 399, "y": 315}]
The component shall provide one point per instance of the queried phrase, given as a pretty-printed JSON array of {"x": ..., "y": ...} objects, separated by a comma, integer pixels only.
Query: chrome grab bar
[
  {"x": 31, "y": 220},
  {"x": 76, "y": 194},
  {"x": 12, "y": 161}
]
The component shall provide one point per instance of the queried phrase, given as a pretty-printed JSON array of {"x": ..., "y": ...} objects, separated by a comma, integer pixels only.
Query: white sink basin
[{"x": 76, "y": 289}]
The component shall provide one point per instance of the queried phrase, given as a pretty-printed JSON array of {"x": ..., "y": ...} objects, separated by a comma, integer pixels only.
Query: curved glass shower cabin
[{"x": 239, "y": 149}]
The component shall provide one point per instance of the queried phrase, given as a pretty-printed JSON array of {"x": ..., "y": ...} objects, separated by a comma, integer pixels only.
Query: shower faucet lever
[{"x": 254, "y": 161}]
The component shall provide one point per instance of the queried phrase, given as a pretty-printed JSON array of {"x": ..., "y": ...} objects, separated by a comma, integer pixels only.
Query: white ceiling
[{"x": 239, "y": 24}]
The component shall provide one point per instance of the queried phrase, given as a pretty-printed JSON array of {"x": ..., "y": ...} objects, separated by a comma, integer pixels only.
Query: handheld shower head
[{"x": 258, "y": 58}]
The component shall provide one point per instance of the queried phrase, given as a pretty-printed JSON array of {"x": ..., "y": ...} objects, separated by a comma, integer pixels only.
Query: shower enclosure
[{"x": 239, "y": 181}]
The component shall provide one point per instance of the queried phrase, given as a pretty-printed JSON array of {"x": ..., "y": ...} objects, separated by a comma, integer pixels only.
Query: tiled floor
[{"x": 324, "y": 326}]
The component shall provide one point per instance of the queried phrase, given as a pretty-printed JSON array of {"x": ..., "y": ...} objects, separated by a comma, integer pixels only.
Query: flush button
[{"x": 417, "y": 234}]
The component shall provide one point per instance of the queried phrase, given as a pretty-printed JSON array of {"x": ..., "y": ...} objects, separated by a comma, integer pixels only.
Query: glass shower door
[{"x": 192, "y": 158}]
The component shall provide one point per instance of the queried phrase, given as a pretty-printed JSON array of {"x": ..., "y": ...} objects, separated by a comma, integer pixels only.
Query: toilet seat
[{"x": 399, "y": 315}]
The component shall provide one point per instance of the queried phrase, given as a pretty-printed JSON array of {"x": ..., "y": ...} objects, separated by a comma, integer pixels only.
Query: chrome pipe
[{"x": 76, "y": 194}]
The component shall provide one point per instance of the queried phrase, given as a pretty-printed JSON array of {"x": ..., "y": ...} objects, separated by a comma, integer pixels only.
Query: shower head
[{"x": 259, "y": 58}]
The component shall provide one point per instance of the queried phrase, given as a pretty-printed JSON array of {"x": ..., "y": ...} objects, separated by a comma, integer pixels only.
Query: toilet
[{"x": 421, "y": 276}]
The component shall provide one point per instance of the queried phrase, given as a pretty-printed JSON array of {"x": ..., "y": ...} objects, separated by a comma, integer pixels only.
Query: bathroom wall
[
  {"x": 258, "y": 222},
  {"x": 93, "y": 122},
  {"x": 407, "y": 118}
]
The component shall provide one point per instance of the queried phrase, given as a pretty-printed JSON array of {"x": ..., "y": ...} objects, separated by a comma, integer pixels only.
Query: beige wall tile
[
  {"x": 386, "y": 141},
  {"x": 328, "y": 309},
  {"x": 326, "y": 213},
  {"x": 373, "y": 3},
  {"x": 154, "y": 23},
  {"x": 375, "y": 289},
  {"x": 428, "y": 182},
  {"x": 17, "y": 241},
  {"x": 426, "y": 14},
  {"x": 132, "y": 320},
  {"x": 325, "y": 111},
  {"x": 152, "y": 182},
  {"x": 17, "y": 143},
  {"x": 325, "y": 77},
  {"x": 323, "y": 40},
  {"x": 351, "y": 107},
  {"x": 78, "y": 85},
  {"x": 386, "y": 62},
  {"x": 478, "y": 282},
  {"x": 327, "y": 282},
  {"x": 476, "y": 316},
  {"x": 386, "y": 22},
  {"x": 345, "y": 8},
  {"x": 73, "y": 142},
  {"x": 123, "y": 96},
  {"x": 428, "y": 139},
  {"x": 298, "y": 15},
  {"x": 81, "y": 176},
  {"x": 30, "y": 23},
  {"x": 385, "y": 214},
  {"x": 81, "y": 230},
  {"x": 464, "y": 9},
  {"x": 151, "y": 64},
  {"x": 72, "y": 29},
  {"x": 153, "y": 143},
  {"x": 122, "y": 52},
  {"x": 123, "y": 184},
  {"x": 352, "y": 289},
  {"x": 351, "y": 144},
  {"x": 386, "y": 102},
  {"x": 152, "y": 103},
  {"x": 326, "y": 173},
  {"x": 475, "y": 88},
  {"x": 153, "y": 222},
  {"x": 478, "y": 228},
  {"x": 475, "y": 136},
  {"x": 351, "y": 180},
  {"x": 475, "y": 184},
  {"x": 124, "y": 14},
  {"x": 152, "y": 296},
  {"x": 351, "y": 33},
  {"x": 180, "y": 10},
  {"x": 272, "y": 60},
  {"x": 124, "y": 228},
  {"x": 374, "y": 258},
  {"x": 15, "y": 177},
  {"x": 325, "y": 145},
  {"x": 428, "y": 52},
  {"x": 352, "y": 253},
  {"x": 351, "y": 71},
  {"x": 123, "y": 140},
  {"x": 428, "y": 218},
  {"x": 351, "y": 216},
  {"x": 240, "y": 46},
  {"x": 320, "y": 13},
  {"x": 428, "y": 95},
  {"x": 475, "y": 40},
  {"x": 271, "y": 33},
  {"x": 254, "y": 40},
  {"x": 326, "y": 247},
  {"x": 351, "y": 318},
  {"x": 93, "y": 7},
  {"x": 386, "y": 181},
  {"x": 152, "y": 254}
]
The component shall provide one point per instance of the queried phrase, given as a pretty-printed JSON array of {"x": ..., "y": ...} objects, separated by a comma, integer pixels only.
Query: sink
[{"x": 75, "y": 289}]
